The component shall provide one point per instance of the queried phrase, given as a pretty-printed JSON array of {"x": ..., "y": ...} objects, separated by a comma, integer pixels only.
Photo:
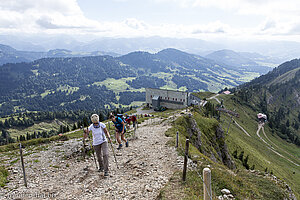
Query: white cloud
[
  {"x": 280, "y": 17},
  {"x": 28, "y": 16},
  {"x": 135, "y": 24},
  {"x": 215, "y": 27}
]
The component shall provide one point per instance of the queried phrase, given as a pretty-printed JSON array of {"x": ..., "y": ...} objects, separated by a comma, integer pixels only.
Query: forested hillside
[
  {"x": 277, "y": 94},
  {"x": 96, "y": 82}
]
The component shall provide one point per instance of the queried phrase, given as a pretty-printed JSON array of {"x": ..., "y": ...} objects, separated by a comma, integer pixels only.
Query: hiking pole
[
  {"x": 112, "y": 148},
  {"x": 83, "y": 142},
  {"x": 92, "y": 150}
]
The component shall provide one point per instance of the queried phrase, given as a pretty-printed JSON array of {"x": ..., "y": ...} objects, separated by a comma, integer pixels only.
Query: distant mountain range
[
  {"x": 11, "y": 55},
  {"x": 78, "y": 82},
  {"x": 247, "y": 61},
  {"x": 279, "y": 51},
  {"x": 227, "y": 57}
]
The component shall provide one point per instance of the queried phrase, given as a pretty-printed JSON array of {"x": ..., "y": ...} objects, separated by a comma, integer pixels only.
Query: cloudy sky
[{"x": 205, "y": 19}]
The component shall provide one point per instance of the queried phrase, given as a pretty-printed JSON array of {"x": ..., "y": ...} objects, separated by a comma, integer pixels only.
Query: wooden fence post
[
  {"x": 177, "y": 138},
  {"x": 185, "y": 159},
  {"x": 207, "y": 184},
  {"x": 23, "y": 168}
]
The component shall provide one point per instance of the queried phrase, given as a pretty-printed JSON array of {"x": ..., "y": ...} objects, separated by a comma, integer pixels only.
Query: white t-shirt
[{"x": 98, "y": 134}]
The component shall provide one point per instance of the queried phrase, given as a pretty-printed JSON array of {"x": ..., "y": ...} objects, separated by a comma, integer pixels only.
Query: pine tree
[
  {"x": 74, "y": 127},
  {"x": 241, "y": 156},
  {"x": 61, "y": 129},
  {"x": 27, "y": 136},
  {"x": 234, "y": 154},
  {"x": 245, "y": 162}
]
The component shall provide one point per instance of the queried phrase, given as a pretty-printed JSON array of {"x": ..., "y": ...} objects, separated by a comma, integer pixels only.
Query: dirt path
[
  {"x": 215, "y": 98},
  {"x": 278, "y": 146},
  {"x": 269, "y": 146},
  {"x": 242, "y": 128},
  {"x": 145, "y": 166}
]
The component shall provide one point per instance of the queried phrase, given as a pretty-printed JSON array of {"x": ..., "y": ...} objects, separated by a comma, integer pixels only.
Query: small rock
[
  {"x": 149, "y": 189},
  {"x": 225, "y": 191},
  {"x": 220, "y": 197}
]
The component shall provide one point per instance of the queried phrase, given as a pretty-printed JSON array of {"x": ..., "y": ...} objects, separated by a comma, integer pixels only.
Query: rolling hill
[
  {"x": 78, "y": 82},
  {"x": 241, "y": 61},
  {"x": 11, "y": 55}
]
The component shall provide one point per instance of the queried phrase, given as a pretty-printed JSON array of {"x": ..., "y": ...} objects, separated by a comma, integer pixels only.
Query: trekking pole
[
  {"x": 112, "y": 148},
  {"x": 92, "y": 150},
  {"x": 83, "y": 142}
]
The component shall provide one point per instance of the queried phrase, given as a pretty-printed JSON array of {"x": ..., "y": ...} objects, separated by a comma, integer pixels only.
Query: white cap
[{"x": 95, "y": 118}]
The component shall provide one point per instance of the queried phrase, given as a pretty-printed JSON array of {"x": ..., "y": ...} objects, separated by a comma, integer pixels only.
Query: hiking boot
[
  {"x": 127, "y": 144},
  {"x": 120, "y": 146},
  {"x": 106, "y": 173},
  {"x": 100, "y": 169}
]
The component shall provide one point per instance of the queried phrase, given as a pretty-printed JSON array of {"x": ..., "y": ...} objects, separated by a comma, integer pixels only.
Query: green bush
[{"x": 3, "y": 176}]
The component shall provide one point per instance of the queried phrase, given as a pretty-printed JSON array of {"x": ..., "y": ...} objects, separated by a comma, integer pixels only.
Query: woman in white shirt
[{"x": 100, "y": 142}]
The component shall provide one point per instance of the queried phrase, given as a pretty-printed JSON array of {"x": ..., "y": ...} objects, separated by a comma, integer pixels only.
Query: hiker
[
  {"x": 127, "y": 120},
  {"x": 100, "y": 143},
  {"x": 133, "y": 119},
  {"x": 120, "y": 129}
]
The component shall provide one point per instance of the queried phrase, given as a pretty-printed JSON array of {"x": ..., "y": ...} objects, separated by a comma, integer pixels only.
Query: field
[{"x": 39, "y": 127}]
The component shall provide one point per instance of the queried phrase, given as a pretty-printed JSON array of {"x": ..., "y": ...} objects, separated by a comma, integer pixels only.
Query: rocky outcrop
[{"x": 218, "y": 143}]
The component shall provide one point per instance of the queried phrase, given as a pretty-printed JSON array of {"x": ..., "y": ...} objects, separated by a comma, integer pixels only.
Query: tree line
[{"x": 76, "y": 120}]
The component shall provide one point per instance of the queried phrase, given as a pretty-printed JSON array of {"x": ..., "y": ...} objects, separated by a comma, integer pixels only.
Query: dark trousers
[{"x": 102, "y": 155}]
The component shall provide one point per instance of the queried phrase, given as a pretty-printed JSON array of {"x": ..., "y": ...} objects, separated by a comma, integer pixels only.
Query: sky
[{"x": 202, "y": 19}]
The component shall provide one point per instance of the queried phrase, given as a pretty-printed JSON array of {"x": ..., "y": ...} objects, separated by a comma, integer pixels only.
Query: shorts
[{"x": 120, "y": 130}]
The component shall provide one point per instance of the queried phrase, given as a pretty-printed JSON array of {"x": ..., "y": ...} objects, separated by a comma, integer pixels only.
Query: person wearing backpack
[
  {"x": 100, "y": 143},
  {"x": 133, "y": 119},
  {"x": 120, "y": 129},
  {"x": 127, "y": 120}
]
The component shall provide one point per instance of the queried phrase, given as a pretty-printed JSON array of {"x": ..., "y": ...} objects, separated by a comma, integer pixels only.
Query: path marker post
[
  {"x": 177, "y": 138},
  {"x": 185, "y": 159},
  {"x": 23, "y": 167}
]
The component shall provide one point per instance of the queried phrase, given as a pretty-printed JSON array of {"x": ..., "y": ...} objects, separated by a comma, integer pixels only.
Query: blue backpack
[{"x": 121, "y": 116}]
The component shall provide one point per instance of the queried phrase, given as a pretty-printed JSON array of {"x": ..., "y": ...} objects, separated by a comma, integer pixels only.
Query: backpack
[
  {"x": 121, "y": 116},
  {"x": 118, "y": 124}
]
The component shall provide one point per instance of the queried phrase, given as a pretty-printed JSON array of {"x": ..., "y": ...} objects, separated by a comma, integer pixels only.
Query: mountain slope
[
  {"x": 79, "y": 82},
  {"x": 11, "y": 55},
  {"x": 278, "y": 95},
  {"x": 257, "y": 146},
  {"x": 237, "y": 61}
]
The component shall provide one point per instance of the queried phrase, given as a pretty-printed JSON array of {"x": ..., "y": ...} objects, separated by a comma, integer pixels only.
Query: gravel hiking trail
[{"x": 58, "y": 170}]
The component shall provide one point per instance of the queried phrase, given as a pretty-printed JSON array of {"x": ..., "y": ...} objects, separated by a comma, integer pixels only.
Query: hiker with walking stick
[{"x": 100, "y": 137}]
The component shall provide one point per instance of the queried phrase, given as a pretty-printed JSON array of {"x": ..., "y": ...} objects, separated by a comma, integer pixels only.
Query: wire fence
[{"x": 181, "y": 148}]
